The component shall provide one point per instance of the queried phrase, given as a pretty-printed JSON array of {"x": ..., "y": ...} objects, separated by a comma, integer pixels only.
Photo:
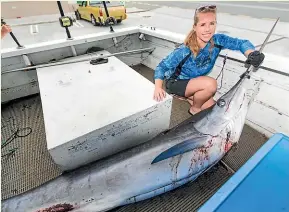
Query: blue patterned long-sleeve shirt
[{"x": 203, "y": 63}]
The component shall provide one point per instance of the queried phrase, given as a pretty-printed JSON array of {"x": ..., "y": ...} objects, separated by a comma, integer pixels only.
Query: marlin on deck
[{"x": 164, "y": 163}]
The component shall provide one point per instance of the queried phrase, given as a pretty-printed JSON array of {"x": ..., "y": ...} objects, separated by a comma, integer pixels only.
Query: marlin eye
[{"x": 221, "y": 102}]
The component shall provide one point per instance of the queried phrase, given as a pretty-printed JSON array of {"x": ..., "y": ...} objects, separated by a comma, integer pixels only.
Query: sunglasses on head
[{"x": 202, "y": 8}]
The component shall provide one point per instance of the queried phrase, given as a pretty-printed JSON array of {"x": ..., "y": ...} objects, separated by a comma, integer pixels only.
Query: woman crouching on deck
[{"x": 185, "y": 68}]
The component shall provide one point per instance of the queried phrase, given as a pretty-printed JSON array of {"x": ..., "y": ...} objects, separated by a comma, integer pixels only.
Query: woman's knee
[
  {"x": 202, "y": 83},
  {"x": 210, "y": 84}
]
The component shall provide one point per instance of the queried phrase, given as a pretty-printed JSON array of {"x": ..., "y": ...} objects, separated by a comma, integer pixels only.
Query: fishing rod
[
  {"x": 25, "y": 57},
  {"x": 12, "y": 35},
  {"x": 246, "y": 74},
  {"x": 107, "y": 15},
  {"x": 251, "y": 68},
  {"x": 82, "y": 59},
  {"x": 64, "y": 20}
]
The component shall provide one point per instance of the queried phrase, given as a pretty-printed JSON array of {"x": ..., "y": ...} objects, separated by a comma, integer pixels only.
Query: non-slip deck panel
[{"x": 31, "y": 165}]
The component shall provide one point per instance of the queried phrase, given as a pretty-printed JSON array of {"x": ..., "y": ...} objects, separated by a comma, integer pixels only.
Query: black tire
[
  {"x": 77, "y": 15},
  {"x": 93, "y": 20},
  {"x": 119, "y": 21}
]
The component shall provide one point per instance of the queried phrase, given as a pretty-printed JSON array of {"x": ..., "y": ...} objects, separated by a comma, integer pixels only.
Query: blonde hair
[{"x": 191, "y": 39}]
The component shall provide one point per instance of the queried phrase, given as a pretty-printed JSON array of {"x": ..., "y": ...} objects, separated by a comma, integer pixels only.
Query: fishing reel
[
  {"x": 65, "y": 21},
  {"x": 2, "y": 22}
]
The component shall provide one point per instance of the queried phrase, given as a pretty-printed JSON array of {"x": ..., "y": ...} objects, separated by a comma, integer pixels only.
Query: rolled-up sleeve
[
  {"x": 234, "y": 43},
  {"x": 170, "y": 62}
]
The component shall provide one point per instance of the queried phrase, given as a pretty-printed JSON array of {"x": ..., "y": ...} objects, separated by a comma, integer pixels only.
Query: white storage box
[{"x": 93, "y": 111}]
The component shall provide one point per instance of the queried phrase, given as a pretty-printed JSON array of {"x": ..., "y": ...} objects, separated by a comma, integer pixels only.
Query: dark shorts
[{"x": 177, "y": 87}]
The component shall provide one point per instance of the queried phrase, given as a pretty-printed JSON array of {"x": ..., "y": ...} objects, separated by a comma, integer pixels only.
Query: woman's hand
[
  {"x": 5, "y": 29},
  {"x": 255, "y": 58},
  {"x": 159, "y": 94}
]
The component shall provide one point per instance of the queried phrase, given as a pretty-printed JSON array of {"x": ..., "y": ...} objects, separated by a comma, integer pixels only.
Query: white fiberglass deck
[{"x": 92, "y": 111}]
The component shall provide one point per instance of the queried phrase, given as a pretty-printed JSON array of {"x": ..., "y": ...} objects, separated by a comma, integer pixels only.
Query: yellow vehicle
[{"x": 94, "y": 12}]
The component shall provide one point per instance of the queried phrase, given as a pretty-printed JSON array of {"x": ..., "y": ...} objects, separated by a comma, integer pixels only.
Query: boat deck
[{"x": 32, "y": 166}]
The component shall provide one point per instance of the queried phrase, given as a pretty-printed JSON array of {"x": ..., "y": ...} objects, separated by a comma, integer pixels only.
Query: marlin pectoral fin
[{"x": 181, "y": 148}]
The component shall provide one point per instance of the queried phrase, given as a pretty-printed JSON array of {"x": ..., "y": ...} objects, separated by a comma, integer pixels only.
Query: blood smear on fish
[{"x": 228, "y": 146}]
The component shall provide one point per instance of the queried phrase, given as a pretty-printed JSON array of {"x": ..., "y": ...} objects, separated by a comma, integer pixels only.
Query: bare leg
[
  {"x": 206, "y": 105},
  {"x": 191, "y": 100},
  {"x": 200, "y": 92}
]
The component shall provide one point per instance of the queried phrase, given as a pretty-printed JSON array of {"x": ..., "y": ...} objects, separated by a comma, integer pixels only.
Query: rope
[
  {"x": 222, "y": 72},
  {"x": 17, "y": 134}
]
